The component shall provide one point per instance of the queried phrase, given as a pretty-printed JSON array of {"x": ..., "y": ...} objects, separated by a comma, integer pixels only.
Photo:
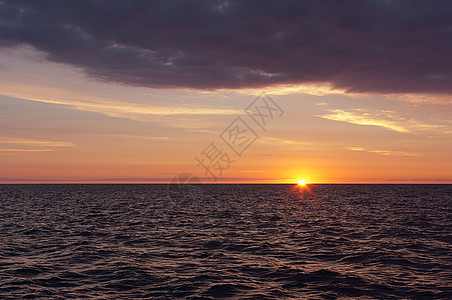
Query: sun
[{"x": 301, "y": 182}]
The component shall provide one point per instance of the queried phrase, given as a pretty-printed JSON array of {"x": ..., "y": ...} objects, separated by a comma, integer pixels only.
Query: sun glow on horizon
[{"x": 302, "y": 182}]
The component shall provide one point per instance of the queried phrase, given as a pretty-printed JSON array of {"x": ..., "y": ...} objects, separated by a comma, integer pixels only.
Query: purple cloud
[{"x": 362, "y": 46}]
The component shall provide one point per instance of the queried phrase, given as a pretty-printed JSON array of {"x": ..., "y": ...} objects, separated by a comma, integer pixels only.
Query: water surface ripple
[{"x": 238, "y": 241}]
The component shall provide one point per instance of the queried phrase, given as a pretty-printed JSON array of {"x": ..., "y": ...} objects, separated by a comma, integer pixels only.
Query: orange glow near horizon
[{"x": 59, "y": 127}]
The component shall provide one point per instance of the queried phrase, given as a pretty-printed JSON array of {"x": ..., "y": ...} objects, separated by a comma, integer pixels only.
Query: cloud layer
[
  {"x": 28, "y": 145},
  {"x": 382, "y": 118},
  {"x": 360, "y": 46}
]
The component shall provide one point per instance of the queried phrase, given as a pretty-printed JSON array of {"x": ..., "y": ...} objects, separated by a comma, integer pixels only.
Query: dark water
[{"x": 239, "y": 241}]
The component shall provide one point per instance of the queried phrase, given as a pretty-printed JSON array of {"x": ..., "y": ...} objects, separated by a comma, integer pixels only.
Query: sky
[{"x": 225, "y": 91}]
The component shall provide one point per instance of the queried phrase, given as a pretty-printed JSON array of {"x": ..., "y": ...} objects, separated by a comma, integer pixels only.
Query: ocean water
[{"x": 218, "y": 241}]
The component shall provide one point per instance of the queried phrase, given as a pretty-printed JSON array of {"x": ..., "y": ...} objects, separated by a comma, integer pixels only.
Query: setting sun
[{"x": 301, "y": 182}]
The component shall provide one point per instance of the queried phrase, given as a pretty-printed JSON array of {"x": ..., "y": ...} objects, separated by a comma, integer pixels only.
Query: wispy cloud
[
  {"x": 383, "y": 118},
  {"x": 299, "y": 145},
  {"x": 33, "y": 142},
  {"x": 360, "y": 118},
  {"x": 24, "y": 150},
  {"x": 102, "y": 104},
  {"x": 31, "y": 145},
  {"x": 315, "y": 89},
  {"x": 140, "y": 137},
  {"x": 422, "y": 98},
  {"x": 383, "y": 152}
]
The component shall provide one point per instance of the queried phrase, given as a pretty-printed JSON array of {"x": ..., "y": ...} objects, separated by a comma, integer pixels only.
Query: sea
[{"x": 215, "y": 241}]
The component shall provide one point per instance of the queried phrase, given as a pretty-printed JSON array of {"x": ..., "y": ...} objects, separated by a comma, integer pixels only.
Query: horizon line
[{"x": 13, "y": 182}]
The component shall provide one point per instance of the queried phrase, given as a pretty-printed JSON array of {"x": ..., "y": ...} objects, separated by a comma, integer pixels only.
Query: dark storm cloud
[{"x": 362, "y": 46}]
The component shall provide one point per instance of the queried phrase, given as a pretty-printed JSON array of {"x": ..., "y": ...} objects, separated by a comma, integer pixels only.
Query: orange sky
[{"x": 58, "y": 126}]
